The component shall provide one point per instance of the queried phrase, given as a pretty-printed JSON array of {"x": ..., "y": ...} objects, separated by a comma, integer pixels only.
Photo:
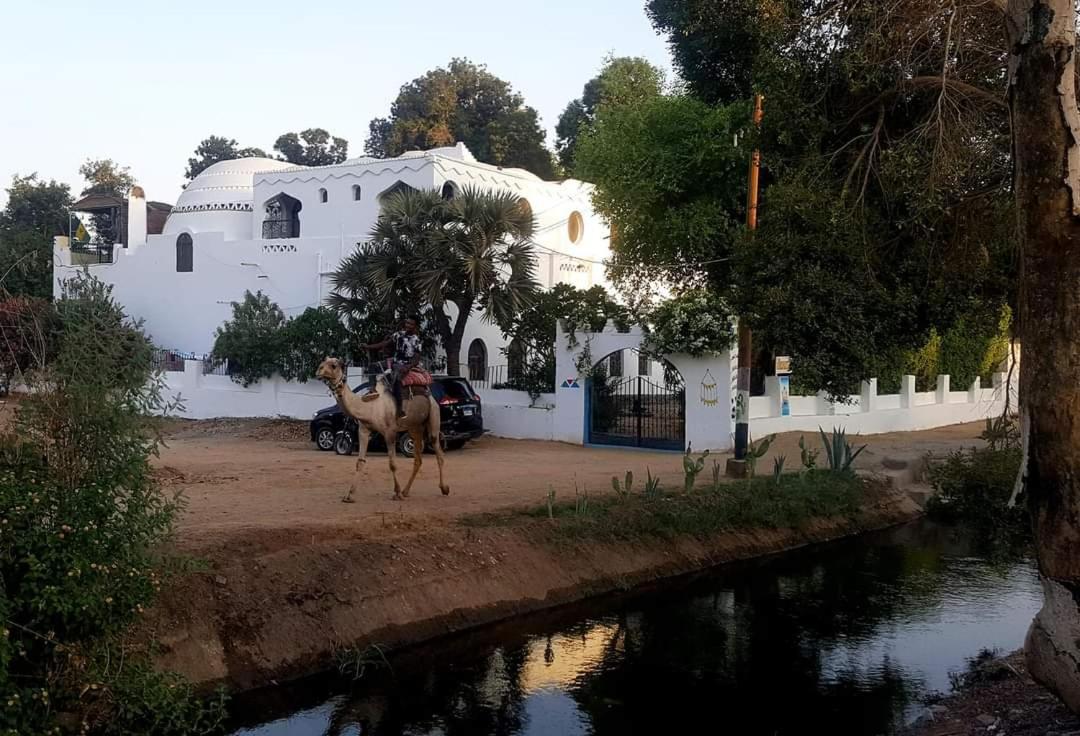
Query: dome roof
[{"x": 220, "y": 199}]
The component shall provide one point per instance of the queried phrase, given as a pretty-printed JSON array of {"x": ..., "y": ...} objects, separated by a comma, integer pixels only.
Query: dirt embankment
[
  {"x": 276, "y": 605},
  {"x": 294, "y": 574}
]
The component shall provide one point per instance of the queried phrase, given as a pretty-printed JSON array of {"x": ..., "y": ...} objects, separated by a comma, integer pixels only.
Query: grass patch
[{"x": 760, "y": 503}]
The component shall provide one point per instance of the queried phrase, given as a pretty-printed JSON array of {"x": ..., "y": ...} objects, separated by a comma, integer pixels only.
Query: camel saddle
[{"x": 416, "y": 382}]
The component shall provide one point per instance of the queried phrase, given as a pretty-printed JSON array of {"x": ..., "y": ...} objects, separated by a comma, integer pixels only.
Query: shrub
[
  {"x": 81, "y": 520},
  {"x": 25, "y": 332},
  {"x": 973, "y": 487},
  {"x": 308, "y": 339},
  {"x": 253, "y": 340},
  {"x": 696, "y": 323}
]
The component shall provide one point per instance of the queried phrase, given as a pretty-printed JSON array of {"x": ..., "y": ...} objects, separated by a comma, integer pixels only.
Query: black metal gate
[{"x": 637, "y": 412}]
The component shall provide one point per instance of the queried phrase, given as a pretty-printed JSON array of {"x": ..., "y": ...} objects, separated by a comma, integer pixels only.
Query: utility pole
[{"x": 737, "y": 467}]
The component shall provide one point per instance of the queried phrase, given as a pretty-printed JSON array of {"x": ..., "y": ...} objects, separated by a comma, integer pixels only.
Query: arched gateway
[{"x": 635, "y": 400}]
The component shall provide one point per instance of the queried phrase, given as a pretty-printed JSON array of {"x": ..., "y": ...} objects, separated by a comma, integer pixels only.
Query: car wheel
[
  {"x": 343, "y": 443},
  {"x": 324, "y": 438},
  {"x": 406, "y": 446},
  {"x": 455, "y": 444}
]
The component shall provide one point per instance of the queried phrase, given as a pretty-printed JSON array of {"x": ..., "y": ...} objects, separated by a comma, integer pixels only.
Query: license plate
[{"x": 466, "y": 411}]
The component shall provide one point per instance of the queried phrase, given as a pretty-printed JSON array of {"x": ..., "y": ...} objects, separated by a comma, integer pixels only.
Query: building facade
[{"x": 258, "y": 224}]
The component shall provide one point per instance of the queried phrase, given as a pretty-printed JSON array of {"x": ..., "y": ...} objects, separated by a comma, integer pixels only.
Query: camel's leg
[
  {"x": 417, "y": 434},
  {"x": 435, "y": 432},
  {"x": 391, "y": 454},
  {"x": 364, "y": 436}
]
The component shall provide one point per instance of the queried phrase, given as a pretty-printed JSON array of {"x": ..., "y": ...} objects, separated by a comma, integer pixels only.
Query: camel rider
[{"x": 407, "y": 354}]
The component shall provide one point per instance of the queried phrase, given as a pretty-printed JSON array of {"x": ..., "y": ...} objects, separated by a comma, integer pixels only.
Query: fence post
[
  {"x": 772, "y": 390},
  {"x": 975, "y": 392},
  {"x": 907, "y": 392},
  {"x": 868, "y": 395},
  {"x": 943, "y": 389}
]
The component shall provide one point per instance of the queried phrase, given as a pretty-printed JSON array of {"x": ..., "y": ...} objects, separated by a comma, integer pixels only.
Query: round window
[{"x": 575, "y": 227}]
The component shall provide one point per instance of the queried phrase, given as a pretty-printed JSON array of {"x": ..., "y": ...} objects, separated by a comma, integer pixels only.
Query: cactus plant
[
  {"x": 809, "y": 457},
  {"x": 623, "y": 490},
  {"x": 652, "y": 486},
  {"x": 757, "y": 450},
  {"x": 778, "y": 468},
  {"x": 692, "y": 467},
  {"x": 838, "y": 451}
]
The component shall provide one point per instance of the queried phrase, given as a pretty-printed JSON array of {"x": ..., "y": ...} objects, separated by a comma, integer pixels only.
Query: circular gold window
[{"x": 575, "y": 227}]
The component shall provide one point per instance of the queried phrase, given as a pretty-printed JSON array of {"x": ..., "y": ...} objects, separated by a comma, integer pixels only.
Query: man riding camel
[{"x": 407, "y": 354}]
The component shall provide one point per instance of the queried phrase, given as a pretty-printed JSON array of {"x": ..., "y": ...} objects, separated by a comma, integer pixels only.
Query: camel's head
[{"x": 331, "y": 370}]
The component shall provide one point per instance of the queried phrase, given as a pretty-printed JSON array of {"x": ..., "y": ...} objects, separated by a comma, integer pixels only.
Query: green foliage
[
  {"x": 807, "y": 456},
  {"x": 26, "y": 263},
  {"x": 532, "y": 331},
  {"x": 474, "y": 251},
  {"x": 312, "y": 147},
  {"x": 106, "y": 177},
  {"x": 354, "y": 662},
  {"x": 695, "y": 322},
  {"x": 761, "y": 503},
  {"x": 670, "y": 180},
  {"x": 838, "y": 451},
  {"x": 306, "y": 340},
  {"x": 757, "y": 450},
  {"x": 974, "y": 486},
  {"x": 467, "y": 103},
  {"x": 36, "y": 206},
  {"x": 778, "y": 468},
  {"x": 216, "y": 149},
  {"x": 625, "y": 489},
  {"x": 81, "y": 523},
  {"x": 622, "y": 80},
  {"x": 253, "y": 340},
  {"x": 692, "y": 467}
]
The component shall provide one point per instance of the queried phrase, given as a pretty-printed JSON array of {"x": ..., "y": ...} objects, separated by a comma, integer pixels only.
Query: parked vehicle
[{"x": 459, "y": 406}]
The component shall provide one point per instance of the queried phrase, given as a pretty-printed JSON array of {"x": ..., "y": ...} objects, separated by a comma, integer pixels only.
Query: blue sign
[{"x": 785, "y": 390}]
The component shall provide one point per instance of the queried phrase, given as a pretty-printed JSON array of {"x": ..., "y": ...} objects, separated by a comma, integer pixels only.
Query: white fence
[
  {"x": 515, "y": 415},
  {"x": 871, "y": 413}
]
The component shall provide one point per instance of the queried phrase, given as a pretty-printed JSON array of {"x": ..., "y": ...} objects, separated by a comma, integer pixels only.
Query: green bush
[
  {"x": 973, "y": 487},
  {"x": 81, "y": 523},
  {"x": 259, "y": 342},
  {"x": 306, "y": 340}
]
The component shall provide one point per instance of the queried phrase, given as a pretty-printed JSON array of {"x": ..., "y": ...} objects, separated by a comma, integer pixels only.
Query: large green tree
[
  {"x": 473, "y": 252},
  {"x": 37, "y": 205},
  {"x": 312, "y": 147},
  {"x": 215, "y": 149},
  {"x": 105, "y": 176},
  {"x": 463, "y": 103},
  {"x": 623, "y": 80}
]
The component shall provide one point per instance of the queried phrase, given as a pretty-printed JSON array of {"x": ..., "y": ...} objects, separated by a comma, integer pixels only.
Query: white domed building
[{"x": 258, "y": 224}]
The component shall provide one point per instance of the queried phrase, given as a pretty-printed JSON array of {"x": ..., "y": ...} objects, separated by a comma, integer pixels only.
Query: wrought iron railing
[
  {"x": 91, "y": 253},
  {"x": 281, "y": 228}
]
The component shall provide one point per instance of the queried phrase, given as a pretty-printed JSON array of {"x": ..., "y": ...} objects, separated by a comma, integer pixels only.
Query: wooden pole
[{"x": 742, "y": 399}]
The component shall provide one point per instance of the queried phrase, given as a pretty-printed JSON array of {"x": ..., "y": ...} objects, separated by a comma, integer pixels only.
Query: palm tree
[{"x": 473, "y": 252}]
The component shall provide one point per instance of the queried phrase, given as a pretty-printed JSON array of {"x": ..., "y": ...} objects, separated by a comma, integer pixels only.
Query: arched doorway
[
  {"x": 282, "y": 217},
  {"x": 646, "y": 408},
  {"x": 477, "y": 360}
]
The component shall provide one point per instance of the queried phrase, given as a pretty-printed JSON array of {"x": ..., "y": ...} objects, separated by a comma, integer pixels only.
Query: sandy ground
[{"x": 250, "y": 475}]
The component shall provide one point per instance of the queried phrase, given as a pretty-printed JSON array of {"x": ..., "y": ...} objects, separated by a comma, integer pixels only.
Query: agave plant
[{"x": 838, "y": 451}]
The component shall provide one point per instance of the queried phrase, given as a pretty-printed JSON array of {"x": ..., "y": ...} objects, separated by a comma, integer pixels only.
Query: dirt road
[{"x": 252, "y": 475}]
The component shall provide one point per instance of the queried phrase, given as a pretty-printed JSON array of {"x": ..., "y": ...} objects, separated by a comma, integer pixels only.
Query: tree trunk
[{"x": 1046, "y": 131}]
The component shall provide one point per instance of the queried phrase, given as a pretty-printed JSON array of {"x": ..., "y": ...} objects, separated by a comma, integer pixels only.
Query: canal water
[{"x": 849, "y": 638}]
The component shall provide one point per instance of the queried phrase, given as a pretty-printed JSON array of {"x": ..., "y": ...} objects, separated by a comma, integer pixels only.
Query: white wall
[
  {"x": 212, "y": 397},
  {"x": 513, "y": 414}
]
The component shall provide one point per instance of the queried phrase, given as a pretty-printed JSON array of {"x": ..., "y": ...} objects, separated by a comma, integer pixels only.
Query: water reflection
[{"x": 846, "y": 640}]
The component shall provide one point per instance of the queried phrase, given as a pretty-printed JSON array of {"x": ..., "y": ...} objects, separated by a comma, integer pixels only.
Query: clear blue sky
[{"x": 144, "y": 82}]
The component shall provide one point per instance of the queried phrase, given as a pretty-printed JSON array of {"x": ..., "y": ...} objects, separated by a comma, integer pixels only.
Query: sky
[{"x": 143, "y": 83}]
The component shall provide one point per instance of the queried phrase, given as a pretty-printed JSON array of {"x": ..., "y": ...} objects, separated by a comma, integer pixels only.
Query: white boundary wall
[
  {"x": 870, "y": 413},
  {"x": 513, "y": 414},
  {"x": 213, "y": 397}
]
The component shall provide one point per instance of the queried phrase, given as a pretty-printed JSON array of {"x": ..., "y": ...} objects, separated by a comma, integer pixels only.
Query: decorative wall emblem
[
  {"x": 279, "y": 248},
  {"x": 709, "y": 394},
  {"x": 570, "y": 383}
]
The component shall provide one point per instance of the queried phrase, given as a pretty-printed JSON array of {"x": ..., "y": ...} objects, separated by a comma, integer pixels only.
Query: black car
[{"x": 462, "y": 420}]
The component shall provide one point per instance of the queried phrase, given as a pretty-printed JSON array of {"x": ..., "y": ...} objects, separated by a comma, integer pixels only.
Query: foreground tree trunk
[{"x": 1046, "y": 131}]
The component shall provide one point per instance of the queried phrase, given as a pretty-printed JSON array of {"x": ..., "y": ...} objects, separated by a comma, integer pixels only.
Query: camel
[{"x": 378, "y": 412}]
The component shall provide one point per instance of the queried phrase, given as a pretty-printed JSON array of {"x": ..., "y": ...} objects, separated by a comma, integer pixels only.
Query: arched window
[
  {"x": 477, "y": 360},
  {"x": 356, "y": 192},
  {"x": 615, "y": 365},
  {"x": 323, "y": 196},
  {"x": 185, "y": 256},
  {"x": 575, "y": 226},
  {"x": 282, "y": 218},
  {"x": 515, "y": 361},
  {"x": 398, "y": 187},
  {"x": 450, "y": 190}
]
